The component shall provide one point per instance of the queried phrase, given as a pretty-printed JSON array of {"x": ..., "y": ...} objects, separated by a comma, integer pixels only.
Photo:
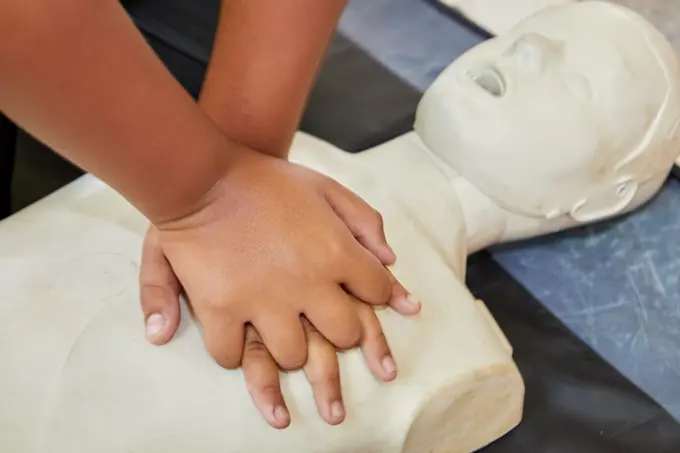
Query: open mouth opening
[{"x": 490, "y": 80}]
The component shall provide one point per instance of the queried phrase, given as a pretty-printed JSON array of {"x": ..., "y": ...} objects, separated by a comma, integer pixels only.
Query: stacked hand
[{"x": 282, "y": 267}]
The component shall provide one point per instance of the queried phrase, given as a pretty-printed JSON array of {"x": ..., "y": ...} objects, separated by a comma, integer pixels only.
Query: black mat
[
  {"x": 8, "y": 137},
  {"x": 576, "y": 403}
]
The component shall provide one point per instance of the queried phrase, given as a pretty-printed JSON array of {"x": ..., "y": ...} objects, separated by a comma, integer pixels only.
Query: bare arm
[
  {"x": 265, "y": 58},
  {"x": 79, "y": 76}
]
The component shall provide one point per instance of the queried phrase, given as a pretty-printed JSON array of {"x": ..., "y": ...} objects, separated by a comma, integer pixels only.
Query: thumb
[
  {"x": 159, "y": 292},
  {"x": 365, "y": 223}
]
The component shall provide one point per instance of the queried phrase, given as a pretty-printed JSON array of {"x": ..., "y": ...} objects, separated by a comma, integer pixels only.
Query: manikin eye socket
[
  {"x": 490, "y": 80},
  {"x": 535, "y": 52},
  {"x": 580, "y": 86}
]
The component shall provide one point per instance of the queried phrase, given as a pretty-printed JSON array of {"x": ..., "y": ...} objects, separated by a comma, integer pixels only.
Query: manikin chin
[{"x": 570, "y": 118}]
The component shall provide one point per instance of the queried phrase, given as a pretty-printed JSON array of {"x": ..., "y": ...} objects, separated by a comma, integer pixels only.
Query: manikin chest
[
  {"x": 81, "y": 376},
  {"x": 401, "y": 181}
]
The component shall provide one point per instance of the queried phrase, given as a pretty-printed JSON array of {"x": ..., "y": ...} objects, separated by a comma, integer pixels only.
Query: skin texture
[
  {"x": 260, "y": 105},
  {"x": 269, "y": 79},
  {"x": 227, "y": 217},
  {"x": 86, "y": 92}
]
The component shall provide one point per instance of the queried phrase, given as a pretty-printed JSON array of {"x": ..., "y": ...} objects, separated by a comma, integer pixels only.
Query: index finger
[{"x": 262, "y": 380}]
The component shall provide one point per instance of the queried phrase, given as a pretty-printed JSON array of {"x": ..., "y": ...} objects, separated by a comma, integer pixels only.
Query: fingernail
[
  {"x": 281, "y": 414},
  {"x": 388, "y": 365},
  {"x": 413, "y": 301},
  {"x": 410, "y": 302},
  {"x": 337, "y": 411},
  {"x": 154, "y": 324}
]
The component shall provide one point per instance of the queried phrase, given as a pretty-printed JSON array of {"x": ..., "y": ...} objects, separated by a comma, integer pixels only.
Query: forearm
[
  {"x": 265, "y": 58},
  {"x": 78, "y": 76}
]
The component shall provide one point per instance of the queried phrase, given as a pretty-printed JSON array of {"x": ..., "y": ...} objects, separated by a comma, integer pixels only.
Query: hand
[
  {"x": 322, "y": 370},
  {"x": 275, "y": 242},
  {"x": 160, "y": 292}
]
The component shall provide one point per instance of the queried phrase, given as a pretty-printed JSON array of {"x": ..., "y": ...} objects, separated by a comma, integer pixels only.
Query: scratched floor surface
[{"x": 615, "y": 285}]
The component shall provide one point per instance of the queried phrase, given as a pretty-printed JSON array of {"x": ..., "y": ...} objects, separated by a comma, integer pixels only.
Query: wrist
[
  {"x": 256, "y": 130},
  {"x": 240, "y": 183},
  {"x": 192, "y": 185}
]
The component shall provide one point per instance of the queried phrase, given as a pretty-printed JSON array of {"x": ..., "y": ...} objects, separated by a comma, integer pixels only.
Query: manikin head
[{"x": 574, "y": 112}]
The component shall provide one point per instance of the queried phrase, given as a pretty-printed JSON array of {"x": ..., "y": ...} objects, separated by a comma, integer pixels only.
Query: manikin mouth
[{"x": 490, "y": 80}]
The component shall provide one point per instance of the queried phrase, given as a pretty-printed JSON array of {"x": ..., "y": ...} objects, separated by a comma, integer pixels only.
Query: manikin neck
[
  {"x": 490, "y": 224},
  {"x": 486, "y": 222}
]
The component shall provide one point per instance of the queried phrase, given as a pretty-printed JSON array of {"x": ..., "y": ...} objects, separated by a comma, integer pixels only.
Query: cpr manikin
[{"x": 570, "y": 118}]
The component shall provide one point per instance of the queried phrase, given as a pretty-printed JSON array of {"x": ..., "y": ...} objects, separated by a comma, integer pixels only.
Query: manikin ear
[{"x": 605, "y": 203}]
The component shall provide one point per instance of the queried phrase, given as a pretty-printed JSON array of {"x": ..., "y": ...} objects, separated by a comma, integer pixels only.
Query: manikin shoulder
[{"x": 402, "y": 184}]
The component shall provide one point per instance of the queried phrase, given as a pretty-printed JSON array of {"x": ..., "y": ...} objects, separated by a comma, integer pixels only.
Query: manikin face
[{"x": 538, "y": 118}]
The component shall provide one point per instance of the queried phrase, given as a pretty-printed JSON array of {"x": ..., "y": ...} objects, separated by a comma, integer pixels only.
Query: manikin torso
[
  {"x": 83, "y": 378},
  {"x": 77, "y": 375}
]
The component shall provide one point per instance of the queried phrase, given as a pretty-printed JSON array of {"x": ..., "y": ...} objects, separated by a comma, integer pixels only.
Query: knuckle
[
  {"x": 154, "y": 291},
  {"x": 226, "y": 361},
  {"x": 328, "y": 383},
  {"x": 322, "y": 368},
  {"x": 380, "y": 291},
  {"x": 371, "y": 327},
  {"x": 377, "y": 340},
  {"x": 155, "y": 295},
  {"x": 270, "y": 388},
  {"x": 333, "y": 256},
  {"x": 385, "y": 287},
  {"x": 256, "y": 348},
  {"x": 225, "y": 315},
  {"x": 294, "y": 361},
  {"x": 223, "y": 356},
  {"x": 262, "y": 377},
  {"x": 378, "y": 220},
  {"x": 350, "y": 338},
  {"x": 336, "y": 248}
]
